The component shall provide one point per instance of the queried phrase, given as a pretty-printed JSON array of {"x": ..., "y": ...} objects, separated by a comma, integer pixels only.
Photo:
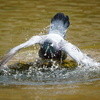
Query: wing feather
[
  {"x": 13, "y": 51},
  {"x": 78, "y": 55}
]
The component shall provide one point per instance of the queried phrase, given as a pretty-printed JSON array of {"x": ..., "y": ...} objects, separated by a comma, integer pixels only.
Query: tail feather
[
  {"x": 60, "y": 22},
  {"x": 61, "y": 17}
]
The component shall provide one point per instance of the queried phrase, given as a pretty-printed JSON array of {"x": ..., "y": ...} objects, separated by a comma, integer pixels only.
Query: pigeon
[{"x": 53, "y": 45}]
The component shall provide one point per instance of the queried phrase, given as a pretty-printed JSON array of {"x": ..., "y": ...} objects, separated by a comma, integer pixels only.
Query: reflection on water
[{"x": 21, "y": 19}]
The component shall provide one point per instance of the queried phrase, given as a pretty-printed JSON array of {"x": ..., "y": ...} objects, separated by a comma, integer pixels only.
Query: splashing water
[
  {"x": 45, "y": 30},
  {"x": 40, "y": 72},
  {"x": 30, "y": 70},
  {"x": 33, "y": 71}
]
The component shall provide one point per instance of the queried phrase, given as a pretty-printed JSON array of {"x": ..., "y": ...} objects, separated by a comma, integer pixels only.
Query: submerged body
[{"x": 53, "y": 45}]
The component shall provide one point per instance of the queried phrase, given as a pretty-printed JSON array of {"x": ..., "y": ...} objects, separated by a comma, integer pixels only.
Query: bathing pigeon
[{"x": 53, "y": 45}]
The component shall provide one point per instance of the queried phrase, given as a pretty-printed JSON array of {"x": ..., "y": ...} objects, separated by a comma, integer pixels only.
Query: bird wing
[
  {"x": 77, "y": 54},
  {"x": 13, "y": 51}
]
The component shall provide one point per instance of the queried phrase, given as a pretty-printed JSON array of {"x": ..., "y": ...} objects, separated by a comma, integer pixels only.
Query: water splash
[
  {"x": 45, "y": 30},
  {"x": 42, "y": 72},
  {"x": 33, "y": 71}
]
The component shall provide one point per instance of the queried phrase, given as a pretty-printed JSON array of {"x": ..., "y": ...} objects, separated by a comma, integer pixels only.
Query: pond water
[{"x": 20, "y": 20}]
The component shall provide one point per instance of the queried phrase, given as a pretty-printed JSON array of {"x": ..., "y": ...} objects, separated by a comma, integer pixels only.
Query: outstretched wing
[
  {"x": 13, "y": 51},
  {"x": 77, "y": 54}
]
